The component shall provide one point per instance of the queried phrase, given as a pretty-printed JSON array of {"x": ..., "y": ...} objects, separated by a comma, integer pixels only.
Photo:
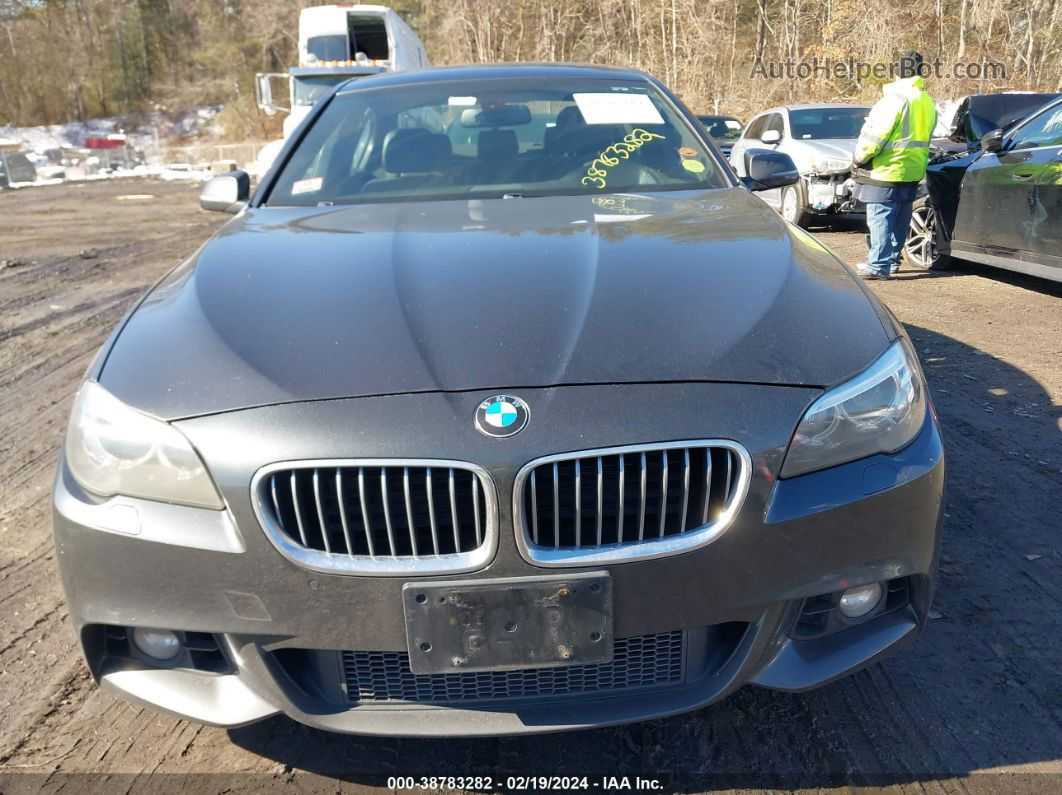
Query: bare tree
[{"x": 62, "y": 59}]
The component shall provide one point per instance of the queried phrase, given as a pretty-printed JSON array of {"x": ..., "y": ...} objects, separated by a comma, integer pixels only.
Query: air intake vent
[
  {"x": 380, "y": 517},
  {"x": 627, "y": 503},
  {"x": 638, "y": 662}
]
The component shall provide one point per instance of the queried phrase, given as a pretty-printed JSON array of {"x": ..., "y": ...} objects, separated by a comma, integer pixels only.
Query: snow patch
[{"x": 142, "y": 132}]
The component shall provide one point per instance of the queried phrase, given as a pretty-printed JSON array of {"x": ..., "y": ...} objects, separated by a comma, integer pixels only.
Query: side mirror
[
  {"x": 993, "y": 141},
  {"x": 771, "y": 137},
  {"x": 766, "y": 169},
  {"x": 263, "y": 91},
  {"x": 227, "y": 193}
]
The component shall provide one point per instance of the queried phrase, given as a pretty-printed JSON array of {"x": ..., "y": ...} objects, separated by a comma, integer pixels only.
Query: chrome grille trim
[
  {"x": 630, "y": 539},
  {"x": 339, "y": 555}
]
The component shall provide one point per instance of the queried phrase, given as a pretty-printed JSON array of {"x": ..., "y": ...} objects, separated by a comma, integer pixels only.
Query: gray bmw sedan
[{"x": 501, "y": 406}]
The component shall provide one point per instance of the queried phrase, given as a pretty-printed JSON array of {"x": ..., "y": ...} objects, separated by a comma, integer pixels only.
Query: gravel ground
[{"x": 975, "y": 704}]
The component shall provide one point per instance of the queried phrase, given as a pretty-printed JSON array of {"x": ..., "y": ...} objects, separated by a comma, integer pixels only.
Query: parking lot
[{"x": 975, "y": 704}]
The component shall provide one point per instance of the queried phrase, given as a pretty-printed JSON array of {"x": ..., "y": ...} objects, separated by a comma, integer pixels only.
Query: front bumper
[
  {"x": 831, "y": 194},
  {"x": 281, "y": 629}
]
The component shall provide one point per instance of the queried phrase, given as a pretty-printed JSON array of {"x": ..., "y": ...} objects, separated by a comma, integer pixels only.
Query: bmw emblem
[{"x": 501, "y": 416}]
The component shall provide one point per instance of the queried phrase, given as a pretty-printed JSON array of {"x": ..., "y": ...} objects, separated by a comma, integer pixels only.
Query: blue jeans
[{"x": 888, "y": 223}]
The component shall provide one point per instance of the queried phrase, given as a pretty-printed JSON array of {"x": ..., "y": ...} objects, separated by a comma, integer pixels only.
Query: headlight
[
  {"x": 831, "y": 164},
  {"x": 878, "y": 411},
  {"x": 113, "y": 449}
]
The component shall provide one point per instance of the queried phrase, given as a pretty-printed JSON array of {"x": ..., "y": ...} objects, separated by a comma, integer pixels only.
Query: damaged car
[
  {"x": 820, "y": 139},
  {"x": 994, "y": 188}
]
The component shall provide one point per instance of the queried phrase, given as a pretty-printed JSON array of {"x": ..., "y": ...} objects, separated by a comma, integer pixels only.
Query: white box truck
[{"x": 336, "y": 43}]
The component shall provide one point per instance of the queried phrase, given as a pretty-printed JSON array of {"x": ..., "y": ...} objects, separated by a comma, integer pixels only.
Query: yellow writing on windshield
[
  {"x": 617, "y": 205},
  {"x": 597, "y": 173}
]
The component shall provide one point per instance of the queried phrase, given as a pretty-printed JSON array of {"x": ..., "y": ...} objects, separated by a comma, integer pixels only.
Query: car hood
[
  {"x": 805, "y": 153},
  {"x": 293, "y": 304},
  {"x": 980, "y": 114}
]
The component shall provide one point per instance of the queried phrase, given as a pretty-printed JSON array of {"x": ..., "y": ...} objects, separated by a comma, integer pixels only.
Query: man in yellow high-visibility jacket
[{"x": 890, "y": 159}]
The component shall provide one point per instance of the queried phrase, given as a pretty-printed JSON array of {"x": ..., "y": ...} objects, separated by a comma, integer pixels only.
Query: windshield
[
  {"x": 815, "y": 123},
  {"x": 722, "y": 128},
  {"x": 494, "y": 139},
  {"x": 307, "y": 90}
]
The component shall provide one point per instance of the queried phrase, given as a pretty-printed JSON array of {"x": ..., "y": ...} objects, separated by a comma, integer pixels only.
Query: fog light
[
  {"x": 857, "y": 602},
  {"x": 160, "y": 644}
]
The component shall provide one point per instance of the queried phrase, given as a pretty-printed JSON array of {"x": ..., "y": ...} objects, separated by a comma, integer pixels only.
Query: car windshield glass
[
  {"x": 721, "y": 127},
  {"x": 815, "y": 123},
  {"x": 493, "y": 139},
  {"x": 307, "y": 90}
]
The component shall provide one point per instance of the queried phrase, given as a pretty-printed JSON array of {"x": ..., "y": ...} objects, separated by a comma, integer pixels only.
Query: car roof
[
  {"x": 813, "y": 106},
  {"x": 1048, "y": 94},
  {"x": 508, "y": 71}
]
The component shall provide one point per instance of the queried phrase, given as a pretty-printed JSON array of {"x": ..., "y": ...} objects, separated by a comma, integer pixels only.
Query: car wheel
[
  {"x": 921, "y": 249},
  {"x": 794, "y": 207}
]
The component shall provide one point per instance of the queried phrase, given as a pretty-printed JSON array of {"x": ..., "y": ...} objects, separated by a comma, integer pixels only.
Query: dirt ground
[{"x": 975, "y": 704}]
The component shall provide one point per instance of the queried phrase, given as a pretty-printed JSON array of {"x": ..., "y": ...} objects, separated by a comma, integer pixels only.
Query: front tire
[
  {"x": 922, "y": 249},
  {"x": 794, "y": 205}
]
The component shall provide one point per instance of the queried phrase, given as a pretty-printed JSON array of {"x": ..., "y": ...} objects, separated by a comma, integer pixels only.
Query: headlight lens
[
  {"x": 832, "y": 164},
  {"x": 878, "y": 411},
  {"x": 113, "y": 449}
]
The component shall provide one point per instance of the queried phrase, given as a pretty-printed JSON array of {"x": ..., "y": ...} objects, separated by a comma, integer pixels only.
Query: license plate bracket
[{"x": 508, "y": 624}]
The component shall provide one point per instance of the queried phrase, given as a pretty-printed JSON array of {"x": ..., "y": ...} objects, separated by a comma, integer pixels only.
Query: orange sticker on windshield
[{"x": 687, "y": 152}]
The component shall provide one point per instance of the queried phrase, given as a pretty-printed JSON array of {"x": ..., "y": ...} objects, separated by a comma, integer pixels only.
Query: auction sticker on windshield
[
  {"x": 617, "y": 109},
  {"x": 309, "y": 185}
]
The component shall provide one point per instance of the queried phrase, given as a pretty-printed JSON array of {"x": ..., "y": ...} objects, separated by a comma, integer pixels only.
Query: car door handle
[{"x": 1023, "y": 175}]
